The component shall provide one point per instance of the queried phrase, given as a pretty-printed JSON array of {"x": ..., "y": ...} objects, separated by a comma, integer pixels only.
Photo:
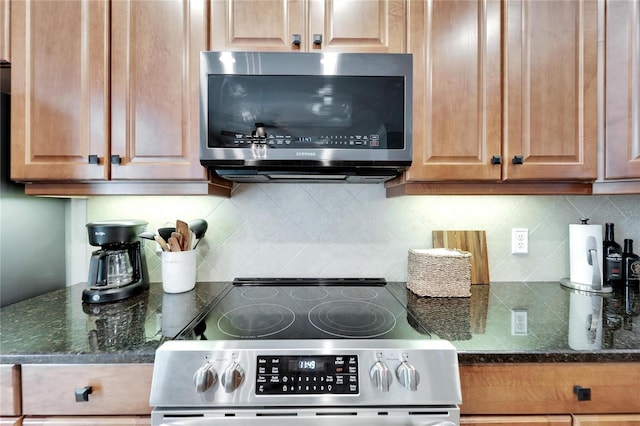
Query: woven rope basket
[{"x": 439, "y": 272}]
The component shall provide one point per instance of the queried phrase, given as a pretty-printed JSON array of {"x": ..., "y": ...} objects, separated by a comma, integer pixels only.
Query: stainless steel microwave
[{"x": 305, "y": 117}]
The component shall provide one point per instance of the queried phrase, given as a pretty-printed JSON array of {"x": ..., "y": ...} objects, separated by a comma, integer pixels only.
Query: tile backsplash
[{"x": 354, "y": 230}]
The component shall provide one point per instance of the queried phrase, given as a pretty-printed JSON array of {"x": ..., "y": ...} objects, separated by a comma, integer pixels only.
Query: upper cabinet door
[
  {"x": 266, "y": 25},
  {"x": 5, "y": 39},
  {"x": 375, "y": 26},
  {"x": 622, "y": 152},
  {"x": 155, "y": 93},
  {"x": 456, "y": 109},
  {"x": 550, "y": 110},
  {"x": 60, "y": 84}
]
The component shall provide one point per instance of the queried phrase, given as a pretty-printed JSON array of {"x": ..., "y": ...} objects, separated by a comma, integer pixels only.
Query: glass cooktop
[{"x": 294, "y": 308}]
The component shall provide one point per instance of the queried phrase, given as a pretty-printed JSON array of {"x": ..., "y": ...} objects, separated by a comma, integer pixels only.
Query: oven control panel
[{"x": 303, "y": 375}]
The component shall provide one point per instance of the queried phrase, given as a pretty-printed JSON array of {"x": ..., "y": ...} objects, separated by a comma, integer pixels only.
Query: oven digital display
[{"x": 326, "y": 374}]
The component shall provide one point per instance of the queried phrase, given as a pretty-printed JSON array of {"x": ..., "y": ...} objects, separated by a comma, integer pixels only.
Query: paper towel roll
[{"x": 581, "y": 238}]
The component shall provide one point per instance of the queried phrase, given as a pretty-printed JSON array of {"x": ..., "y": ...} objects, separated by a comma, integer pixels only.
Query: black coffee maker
[{"x": 119, "y": 269}]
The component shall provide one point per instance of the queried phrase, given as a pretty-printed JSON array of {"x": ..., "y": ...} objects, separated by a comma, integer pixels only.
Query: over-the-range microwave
[{"x": 305, "y": 117}]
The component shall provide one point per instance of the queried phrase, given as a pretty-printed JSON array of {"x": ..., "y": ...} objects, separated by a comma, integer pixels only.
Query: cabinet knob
[
  {"x": 296, "y": 40},
  {"x": 94, "y": 159},
  {"x": 584, "y": 394},
  {"x": 115, "y": 159},
  {"x": 496, "y": 159},
  {"x": 82, "y": 394},
  {"x": 317, "y": 39},
  {"x": 518, "y": 159}
]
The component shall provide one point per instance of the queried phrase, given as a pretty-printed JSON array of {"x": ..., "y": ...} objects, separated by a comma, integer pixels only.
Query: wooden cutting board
[{"x": 474, "y": 242}]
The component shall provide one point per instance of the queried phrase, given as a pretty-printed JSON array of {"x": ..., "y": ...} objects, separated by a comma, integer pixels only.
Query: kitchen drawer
[
  {"x": 50, "y": 389},
  {"x": 548, "y": 388},
  {"x": 9, "y": 390}
]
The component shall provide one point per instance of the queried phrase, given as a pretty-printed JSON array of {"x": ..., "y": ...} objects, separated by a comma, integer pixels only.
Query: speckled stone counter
[
  {"x": 562, "y": 325},
  {"x": 58, "y": 327}
]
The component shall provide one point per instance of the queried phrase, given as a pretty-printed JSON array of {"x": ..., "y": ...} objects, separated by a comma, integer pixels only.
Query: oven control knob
[
  {"x": 408, "y": 376},
  {"x": 205, "y": 377},
  {"x": 380, "y": 376},
  {"x": 232, "y": 377}
]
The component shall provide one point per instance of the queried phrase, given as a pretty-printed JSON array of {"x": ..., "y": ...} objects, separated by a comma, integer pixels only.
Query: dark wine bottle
[
  {"x": 612, "y": 258},
  {"x": 630, "y": 265}
]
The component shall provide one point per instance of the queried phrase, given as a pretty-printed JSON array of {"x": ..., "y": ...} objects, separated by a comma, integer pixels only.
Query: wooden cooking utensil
[
  {"x": 163, "y": 244},
  {"x": 174, "y": 245},
  {"x": 183, "y": 229},
  {"x": 178, "y": 237},
  {"x": 474, "y": 242}
]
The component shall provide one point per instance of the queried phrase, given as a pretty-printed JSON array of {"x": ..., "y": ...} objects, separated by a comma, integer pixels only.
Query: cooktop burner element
[
  {"x": 352, "y": 318},
  {"x": 280, "y": 308}
]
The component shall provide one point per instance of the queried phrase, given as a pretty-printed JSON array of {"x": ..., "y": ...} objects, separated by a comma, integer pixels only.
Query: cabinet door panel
[
  {"x": 59, "y": 89},
  {"x": 456, "y": 48},
  {"x": 517, "y": 420},
  {"x": 358, "y": 25},
  {"x": 607, "y": 419},
  {"x": 622, "y": 156},
  {"x": 10, "y": 403},
  {"x": 267, "y": 25},
  {"x": 85, "y": 421},
  {"x": 5, "y": 39},
  {"x": 550, "y": 82},
  {"x": 155, "y": 98}
]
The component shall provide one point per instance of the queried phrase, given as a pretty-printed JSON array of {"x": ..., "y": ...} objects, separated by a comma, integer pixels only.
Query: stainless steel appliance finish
[
  {"x": 292, "y": 351},
  {"x": 327, "y": 117}
]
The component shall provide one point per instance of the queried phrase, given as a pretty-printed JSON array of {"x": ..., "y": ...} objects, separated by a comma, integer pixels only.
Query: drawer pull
[
  {"x": 82, "y": 394},
  {"x": 584, "y": 394}
]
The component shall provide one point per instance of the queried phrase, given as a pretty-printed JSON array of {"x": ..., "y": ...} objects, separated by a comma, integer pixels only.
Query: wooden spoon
[
  {"x": 174, "y": 245},
  {"x": 183, "y": 229},
  {"x": 162, "y": 242}
]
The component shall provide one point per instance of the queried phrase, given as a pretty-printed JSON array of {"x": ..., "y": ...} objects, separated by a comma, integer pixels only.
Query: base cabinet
[
  {"x": 86, "y": 421},
  {"x": 86, "y": 394},
  {"x": 607, "y": 420},
  {"x": 549, "y": 389},
  {"x": 517, "y": 420}
]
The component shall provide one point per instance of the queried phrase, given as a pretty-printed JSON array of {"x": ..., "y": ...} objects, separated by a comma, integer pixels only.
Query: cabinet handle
[
  {"x": 496, "y": 159},
  {"x": 584, "y": 394},
  {"x": 518, "y": 159},
  {"x": 94, "y": 159},
  {"x": 82, "y": 394},
  {"x": 115, "y": 159},
  {"x": 317, "y": 39},
  {"x": 296, "y": 40}
]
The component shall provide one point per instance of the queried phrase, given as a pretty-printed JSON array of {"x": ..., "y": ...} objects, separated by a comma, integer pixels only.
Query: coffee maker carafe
[{"x": 119, "y": 269}]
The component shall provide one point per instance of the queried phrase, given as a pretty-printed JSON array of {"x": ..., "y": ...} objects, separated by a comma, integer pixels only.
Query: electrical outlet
[
  {"x": 519, "y": 322},
  {"x": 519, "y": 241}
]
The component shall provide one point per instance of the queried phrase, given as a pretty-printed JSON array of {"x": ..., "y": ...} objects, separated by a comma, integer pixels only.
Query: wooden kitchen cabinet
[
  {"x": 344, "y": 26},
  {"x": 498, "y": 83},
  {"x": 84, "y": 421},
  {"x": 5, "y": 33},
  {"x": 106, "y": 97},
  {"x": 607, "y": 420},
  {"x": 548, "y": 388},
  {"x": 116, "y": 389},
  {"x": 552, "y": 420},
  {"x": 10, "y": 402},
  {"x": 622, "y": 95}
]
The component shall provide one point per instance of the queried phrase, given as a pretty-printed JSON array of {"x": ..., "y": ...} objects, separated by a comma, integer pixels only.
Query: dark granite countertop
[{"x": 562, "y": 325}]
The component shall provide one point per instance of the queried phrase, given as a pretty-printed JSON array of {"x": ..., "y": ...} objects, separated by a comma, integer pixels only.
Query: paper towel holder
[{"x": 591, "y": 253}]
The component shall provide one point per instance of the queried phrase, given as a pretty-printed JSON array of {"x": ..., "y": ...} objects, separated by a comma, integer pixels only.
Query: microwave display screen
[{"x": 310, "y": 111}]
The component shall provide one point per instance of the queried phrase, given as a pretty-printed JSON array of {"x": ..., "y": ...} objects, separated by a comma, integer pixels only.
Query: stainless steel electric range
[{"x": 306, "y": 352}]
